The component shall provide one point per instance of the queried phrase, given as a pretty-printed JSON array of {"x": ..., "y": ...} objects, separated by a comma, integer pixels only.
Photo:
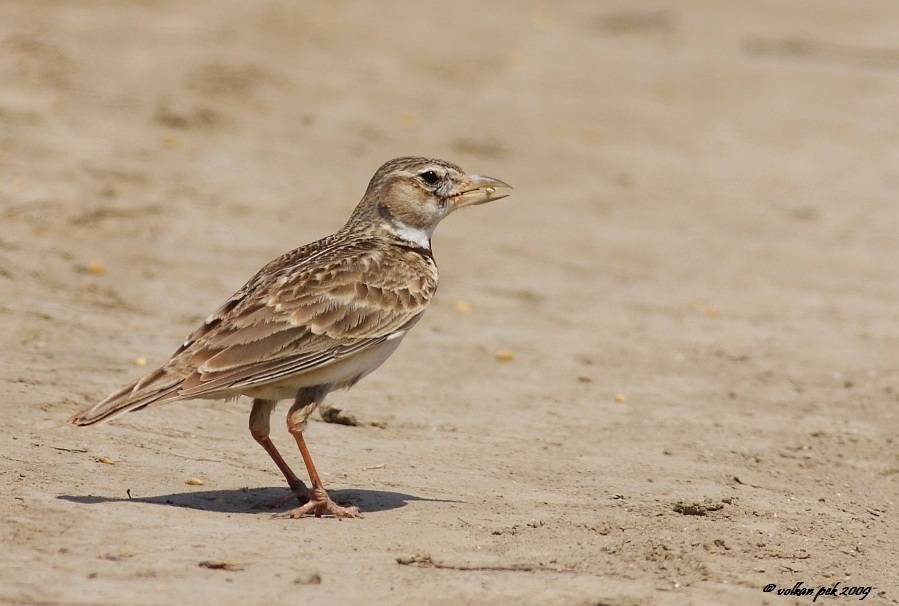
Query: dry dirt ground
[{"x": 696, "y": 281}]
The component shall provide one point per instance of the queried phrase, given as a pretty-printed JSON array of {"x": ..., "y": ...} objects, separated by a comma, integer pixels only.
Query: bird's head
[{"x": 411, "y": 195}]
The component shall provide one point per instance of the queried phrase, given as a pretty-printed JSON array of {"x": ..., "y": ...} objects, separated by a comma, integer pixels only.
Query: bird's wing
[
  {"x": 292, "y": 319},
  {"x": 309, "y": 308}
]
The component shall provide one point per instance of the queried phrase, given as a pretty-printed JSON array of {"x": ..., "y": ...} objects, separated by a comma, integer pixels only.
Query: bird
[{"x": 318, "y": 318}]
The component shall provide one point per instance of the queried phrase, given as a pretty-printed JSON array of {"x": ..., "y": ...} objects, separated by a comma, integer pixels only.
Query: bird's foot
[
  {"x": 298, "y": 491},
  {"x": 320, "y": 503}
]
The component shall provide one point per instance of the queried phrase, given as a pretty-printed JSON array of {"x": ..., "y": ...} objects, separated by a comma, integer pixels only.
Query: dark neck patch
[{"x": 424, "y": 252}]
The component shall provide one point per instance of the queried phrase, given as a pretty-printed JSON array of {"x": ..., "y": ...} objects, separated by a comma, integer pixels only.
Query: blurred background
[{"x": 697, "y": 267}]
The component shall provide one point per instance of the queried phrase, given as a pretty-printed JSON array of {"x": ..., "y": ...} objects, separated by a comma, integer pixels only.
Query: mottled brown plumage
[{"x": 320, "y": 317}]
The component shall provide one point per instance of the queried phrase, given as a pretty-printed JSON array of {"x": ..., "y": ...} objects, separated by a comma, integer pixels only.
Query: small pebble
[
  {"x": 308, "y": 578},
  {"x": 194, "y": 482},
  {"x": 702, "y": 307},
  {"x": 221, "y": 564},
  {"x": 95, "y": 269},
  {"x": 105, "y": 461},
  {"x": 621, "y": 397},
  {"x": 504, "y": 355},
  {"x": 140, "y": 361},
  {"x": 463, "y": 307}
]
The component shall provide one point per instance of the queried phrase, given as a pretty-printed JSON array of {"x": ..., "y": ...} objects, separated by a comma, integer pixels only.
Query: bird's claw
[{"x": 320, "y": 503}]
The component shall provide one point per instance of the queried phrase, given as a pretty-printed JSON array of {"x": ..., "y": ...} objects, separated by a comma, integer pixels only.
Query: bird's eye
[{"x": 429, "y": 177}]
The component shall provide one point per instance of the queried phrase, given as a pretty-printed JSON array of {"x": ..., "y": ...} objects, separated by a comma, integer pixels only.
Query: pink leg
[
  {"x": 259, "y": 428},
  {"x": 319, "y": 501}
]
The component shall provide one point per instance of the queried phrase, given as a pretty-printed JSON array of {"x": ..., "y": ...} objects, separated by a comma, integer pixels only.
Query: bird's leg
[
  {"x": 259, "y": 428},
  {"x": 319, "y": 502}
]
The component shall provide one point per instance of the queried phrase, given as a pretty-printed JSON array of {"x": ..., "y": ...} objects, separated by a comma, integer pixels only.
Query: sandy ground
[{"x": 696, "y": 279}]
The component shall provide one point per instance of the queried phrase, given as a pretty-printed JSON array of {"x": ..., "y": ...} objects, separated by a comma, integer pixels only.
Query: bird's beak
[{"x": 478, "y": 190}]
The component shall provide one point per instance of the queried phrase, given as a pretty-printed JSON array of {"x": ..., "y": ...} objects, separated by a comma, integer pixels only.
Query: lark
[{"x": 318, "y": 318}]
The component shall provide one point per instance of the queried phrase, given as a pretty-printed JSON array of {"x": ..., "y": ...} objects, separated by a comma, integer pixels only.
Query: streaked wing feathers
[{"x": 305, "y": 317}]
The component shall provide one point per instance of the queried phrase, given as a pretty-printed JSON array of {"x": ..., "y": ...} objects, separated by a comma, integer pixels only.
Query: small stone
[
  {"x": 308, "y": 578},
  {"x": 463, "y": 307},
  {"x": 221, "y": 565},
  {"x": 95, "y": 269},
  {"x": 194, "y": 482},
  {"x": 337, "y": 416},
  {"x": 707, "y": 310}
]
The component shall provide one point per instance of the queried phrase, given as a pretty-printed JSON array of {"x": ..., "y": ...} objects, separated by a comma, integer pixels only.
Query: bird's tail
[{"x": 157, "y": 387}]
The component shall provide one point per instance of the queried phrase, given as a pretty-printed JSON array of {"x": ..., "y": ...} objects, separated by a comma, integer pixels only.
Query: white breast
[{"x": 340, "y": 374}]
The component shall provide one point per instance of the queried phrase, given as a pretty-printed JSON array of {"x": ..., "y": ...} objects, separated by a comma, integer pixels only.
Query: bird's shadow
[{"x": 258, "y": 500}]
